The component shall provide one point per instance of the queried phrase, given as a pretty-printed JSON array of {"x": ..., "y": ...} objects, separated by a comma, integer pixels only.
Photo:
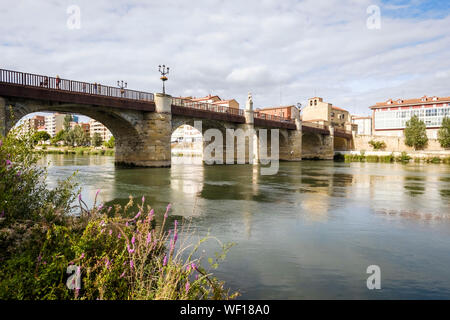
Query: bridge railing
[
  {"x": 342, "y": 131},
  {"x": 266, "y": 116},
  {"x": 313, "y": 125},
  {"x": 52, "y": 83},
  {"x": 206, "y": 106}
]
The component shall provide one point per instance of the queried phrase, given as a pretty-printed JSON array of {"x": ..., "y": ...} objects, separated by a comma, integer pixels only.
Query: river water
[{"x": 309, "y": 232}]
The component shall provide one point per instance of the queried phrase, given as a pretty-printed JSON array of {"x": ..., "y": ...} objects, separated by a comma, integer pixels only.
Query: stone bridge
[{"x": 142, "y": 123}]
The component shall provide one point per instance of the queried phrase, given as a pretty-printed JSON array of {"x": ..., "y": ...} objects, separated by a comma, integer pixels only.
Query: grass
[{"x": 79, "y": 151}]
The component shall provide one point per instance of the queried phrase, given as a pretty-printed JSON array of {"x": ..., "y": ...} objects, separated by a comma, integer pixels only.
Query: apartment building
[
  {"x": 390, "y": 117},
  {"x": 98, "y": 127},
  {"x": 54, "y": 123}
]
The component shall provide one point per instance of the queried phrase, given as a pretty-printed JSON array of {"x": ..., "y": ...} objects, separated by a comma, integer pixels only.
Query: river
[{"x": 309, "y": 232}]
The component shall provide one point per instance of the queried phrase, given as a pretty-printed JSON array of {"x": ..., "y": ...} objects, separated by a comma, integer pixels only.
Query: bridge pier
[
  {"x": 153, "y": 149},
  {"x": 292, "y": 150}
]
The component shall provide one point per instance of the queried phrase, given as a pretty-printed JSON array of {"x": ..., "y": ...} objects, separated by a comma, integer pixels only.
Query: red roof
[
  {"x": 337, "y": 108},
  {"x": 407, "y": 102}
]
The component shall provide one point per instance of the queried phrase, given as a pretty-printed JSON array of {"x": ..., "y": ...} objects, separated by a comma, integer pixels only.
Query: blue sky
[{"x": 282, "y": 51}]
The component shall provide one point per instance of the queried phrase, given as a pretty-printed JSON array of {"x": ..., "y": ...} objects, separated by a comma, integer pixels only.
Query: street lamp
[
  {"x": 164, "y": 71},
  {"x": 122, "y": 85}
]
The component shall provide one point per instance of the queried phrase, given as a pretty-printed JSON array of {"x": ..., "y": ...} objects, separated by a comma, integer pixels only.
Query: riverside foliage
[{"x": 120, "y": 252}]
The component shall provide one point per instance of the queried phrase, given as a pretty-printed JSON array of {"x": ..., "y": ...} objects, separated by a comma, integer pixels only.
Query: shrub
[
  {"x": 387, "y": 159},
  {"x": 373, "y": 158},
  {"x": 404, "y": 157},
  {"x": 121, "y": 255},
  {"x": 377, "y": 145}
]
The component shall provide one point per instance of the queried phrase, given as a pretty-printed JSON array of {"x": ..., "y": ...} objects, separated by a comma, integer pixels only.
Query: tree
[
  {"x": 40, "y": 136},
  {"x": 110, "y": 143},
  {"x": 97, "y": 139},
  {"x": 416, "y": 133},
  {"x": 444, "y": 133},
  {"x": 60, "y": 136},
  {"x": 76, "y": 136},
  {"x": 67, "y": 120}
]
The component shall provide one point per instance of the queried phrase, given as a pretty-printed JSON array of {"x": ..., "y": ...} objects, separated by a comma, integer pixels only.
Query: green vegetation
[
  {"x": 40, "y": 136},
  {"x": 121, "y": 252},
  {"x": 444, "y": 133},
  {"x": 110, "y": 143},
  {"x": 377, "y": 145},
  {"x": 96, "y": 140},
  {"x": 415, "y": 133},
  {"x": 402, "y": 158}
]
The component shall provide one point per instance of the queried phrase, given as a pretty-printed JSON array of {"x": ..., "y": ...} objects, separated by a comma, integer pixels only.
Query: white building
[
  {"x": 390, "y": 117},
  {"x": 364, "y": 125},
  {"x": 98, "y": 127},
  {"x": 54, "y": 123}
]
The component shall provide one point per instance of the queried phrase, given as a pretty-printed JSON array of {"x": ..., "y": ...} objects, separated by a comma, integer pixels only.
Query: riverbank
[
  {"x": 388, "y": 157},
  {"x": 75, "y": 150}
]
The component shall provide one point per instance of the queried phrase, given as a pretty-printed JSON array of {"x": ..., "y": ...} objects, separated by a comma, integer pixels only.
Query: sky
[{"x": 283, "y": 51}]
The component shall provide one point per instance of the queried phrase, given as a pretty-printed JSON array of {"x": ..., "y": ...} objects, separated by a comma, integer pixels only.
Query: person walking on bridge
[{"x": 58, "y": 81}]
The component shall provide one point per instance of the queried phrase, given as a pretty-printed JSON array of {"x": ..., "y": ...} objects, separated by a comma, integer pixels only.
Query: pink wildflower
[
  {"x": 165, "y": 261},
  {"x": 82, "y": 256},
  {"x": 131, "y": 264},
  {"x": 122, "y": 275},
  {"x": 149, "y": 238},
  {"x": 137, "y": 216},
  {"x": 133, "y": 240},
  {"x": 167, "y": 210},
  {"x": 110, "y": 232},
  {"x": 188, "y": 286}
]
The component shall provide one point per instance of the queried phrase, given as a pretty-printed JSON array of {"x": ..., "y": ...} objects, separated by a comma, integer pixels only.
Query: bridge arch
[
  {"x": 311, "y": 145},
  {"x": 340, "y": 144},
  {"x": 123, "y": 125}
]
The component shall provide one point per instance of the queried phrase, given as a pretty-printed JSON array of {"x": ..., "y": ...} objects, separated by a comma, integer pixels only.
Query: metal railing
[
  {"x": 52, "y": 83},
  {"x": 265, "y": 116},
  {"x": 186, "y": 103}
]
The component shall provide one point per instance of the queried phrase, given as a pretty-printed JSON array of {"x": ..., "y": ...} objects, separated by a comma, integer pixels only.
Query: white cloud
[{"x": 282, "y": 51}]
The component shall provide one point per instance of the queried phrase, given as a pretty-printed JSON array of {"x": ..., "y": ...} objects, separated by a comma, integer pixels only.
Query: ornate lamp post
[
  {"x": 122, "y": 85},
  {"x": 164, "y": 71}
]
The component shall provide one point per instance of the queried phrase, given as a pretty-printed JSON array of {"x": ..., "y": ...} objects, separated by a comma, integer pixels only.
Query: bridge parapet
[
  {"x": 206, "y": 106},
  {"x": 85, "y": 88}
]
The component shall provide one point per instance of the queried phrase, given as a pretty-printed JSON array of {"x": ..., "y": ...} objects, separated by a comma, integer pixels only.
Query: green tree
[
  {"x": 415, "y": 133},
  {"x": 40, "y": 136},
  {"x": 110, "y": 143},
  {"x": 60, "y": 136},
  {"x": 67, "y": 120},
  {"x": 444, "y": 133},
  {"x": 97, "y": 139}
]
